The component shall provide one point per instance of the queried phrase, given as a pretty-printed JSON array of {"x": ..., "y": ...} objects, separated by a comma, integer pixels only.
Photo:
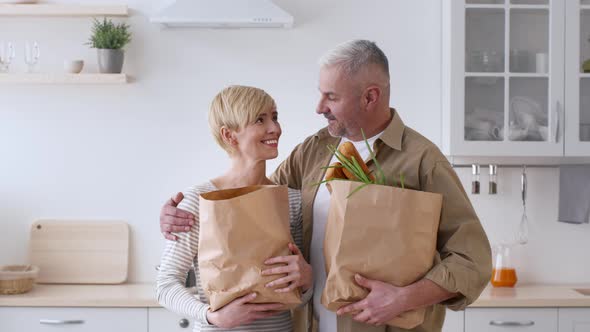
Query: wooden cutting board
[{"x": 80, "y": 251}]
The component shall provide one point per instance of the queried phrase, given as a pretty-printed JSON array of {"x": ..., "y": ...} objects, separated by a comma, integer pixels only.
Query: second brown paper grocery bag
[{"x": 383, "y": 233}]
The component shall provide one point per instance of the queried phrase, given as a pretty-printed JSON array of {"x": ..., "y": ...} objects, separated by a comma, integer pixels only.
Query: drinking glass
[
  {"x": 31, "y": 55},
  {"x": 7, "y": 53}
]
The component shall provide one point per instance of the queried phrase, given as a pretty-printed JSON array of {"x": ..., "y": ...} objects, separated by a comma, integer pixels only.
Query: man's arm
[
  {"x": 464, "y": 265},
  {"x": 424, "y": 293},
  {"x": 385, "y": 301}
]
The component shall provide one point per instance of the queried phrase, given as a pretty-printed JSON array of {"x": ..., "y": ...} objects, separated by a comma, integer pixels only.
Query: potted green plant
[{"x": 109, "y": 39}]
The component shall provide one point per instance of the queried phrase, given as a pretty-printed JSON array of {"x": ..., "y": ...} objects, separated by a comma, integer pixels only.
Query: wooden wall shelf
[
  {"x": 62, "y": 10},
  {"x": 78, "y": 79}
]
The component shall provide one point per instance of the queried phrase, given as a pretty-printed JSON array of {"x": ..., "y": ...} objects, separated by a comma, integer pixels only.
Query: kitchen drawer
[
  {"x": 511, "y": 319},
  {"x": 454, "y": 321},
  {"x": 574, "y": 319},
  {"x": 43, "y": 319},
  {"x": 162, "y": 320}
]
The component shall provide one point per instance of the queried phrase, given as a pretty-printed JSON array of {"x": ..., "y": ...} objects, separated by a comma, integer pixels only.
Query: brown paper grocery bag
[
  {"x": 383, "y": 233},
  {"x": 240, "y": 229}
]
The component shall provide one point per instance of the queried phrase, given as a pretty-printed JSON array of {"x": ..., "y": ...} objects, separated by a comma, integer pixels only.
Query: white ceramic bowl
[{"x": 73, "y": 66}]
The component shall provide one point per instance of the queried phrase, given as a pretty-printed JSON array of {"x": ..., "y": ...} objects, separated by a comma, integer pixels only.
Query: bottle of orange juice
[{"x": 503, "y": 273}]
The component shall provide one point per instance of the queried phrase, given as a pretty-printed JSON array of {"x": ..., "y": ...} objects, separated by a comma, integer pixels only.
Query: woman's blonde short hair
[{"x": 234, "y": 108}]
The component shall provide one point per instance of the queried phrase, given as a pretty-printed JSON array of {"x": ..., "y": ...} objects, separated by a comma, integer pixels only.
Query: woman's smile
[{"x": 271, "y": 142}]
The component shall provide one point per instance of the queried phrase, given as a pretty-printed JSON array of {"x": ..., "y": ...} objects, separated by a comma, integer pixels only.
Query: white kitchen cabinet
[
  {"x": 454, "y": 321},
  {"x": 162, "y": 320},
  {"x": 510, "y": 319},
  {"x": 504, "y": 68},
  {"x": 574, "y": 319},
  {"x": 577, "y": 85},
  {"x": 42, "y": 319}
]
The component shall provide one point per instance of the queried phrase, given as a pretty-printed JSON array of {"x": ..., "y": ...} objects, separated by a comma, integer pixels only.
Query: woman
[{"x": 244, "y": 122}]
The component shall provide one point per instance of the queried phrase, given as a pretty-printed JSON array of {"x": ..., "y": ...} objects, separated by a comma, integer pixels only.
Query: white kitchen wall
[
  {"x": 556, "y": 252},
  {"x": 121, "y": 151}
]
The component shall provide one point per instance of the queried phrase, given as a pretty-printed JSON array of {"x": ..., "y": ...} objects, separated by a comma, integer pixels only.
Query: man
[{"x": 355, "y": 91}]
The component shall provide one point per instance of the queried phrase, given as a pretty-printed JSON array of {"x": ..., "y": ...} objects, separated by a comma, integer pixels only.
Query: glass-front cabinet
[
  {"x": 513, "y": 74},
  {"x": 577, "y": 85}
]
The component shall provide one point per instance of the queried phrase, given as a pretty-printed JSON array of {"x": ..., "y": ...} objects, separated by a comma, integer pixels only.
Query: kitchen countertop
[
  {"x": 123, "y": 295},
  {"x": 144, "y": 295},
  {"x": 533, "y": 296}
]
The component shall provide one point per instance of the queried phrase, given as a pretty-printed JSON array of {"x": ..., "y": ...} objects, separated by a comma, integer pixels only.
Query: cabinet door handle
[
  {"x": 511, "y": 323},
  {"x": 558, "y": 120},
  {"x": 61, "y": 321},
  {"x": 184, "y": 323}
]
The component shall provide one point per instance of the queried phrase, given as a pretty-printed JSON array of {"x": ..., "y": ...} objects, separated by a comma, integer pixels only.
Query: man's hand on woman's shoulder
[{"x": 173, "y": 219}]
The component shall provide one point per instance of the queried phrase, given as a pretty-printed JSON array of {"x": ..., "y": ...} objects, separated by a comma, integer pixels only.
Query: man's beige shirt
[{"x": 463, "y": 262}]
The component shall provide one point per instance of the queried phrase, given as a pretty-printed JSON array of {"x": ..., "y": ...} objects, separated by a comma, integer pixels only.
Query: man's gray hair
[{"x": 354, "y": 55}]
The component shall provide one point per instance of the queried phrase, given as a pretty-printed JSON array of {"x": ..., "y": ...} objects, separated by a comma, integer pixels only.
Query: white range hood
[{"x": 223, "y": 14}]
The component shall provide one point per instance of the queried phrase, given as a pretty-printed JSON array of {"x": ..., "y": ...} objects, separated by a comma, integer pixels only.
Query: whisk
[{"x": 522, "y": 236}]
